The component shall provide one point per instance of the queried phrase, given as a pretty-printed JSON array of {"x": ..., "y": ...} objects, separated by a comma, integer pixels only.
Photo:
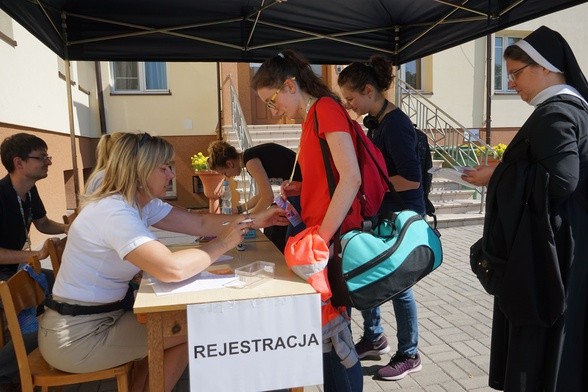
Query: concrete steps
[{"x": 455, "y": 205}]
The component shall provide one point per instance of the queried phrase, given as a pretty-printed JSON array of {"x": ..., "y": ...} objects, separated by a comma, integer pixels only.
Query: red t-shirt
[{"x": 315, "y": 197}]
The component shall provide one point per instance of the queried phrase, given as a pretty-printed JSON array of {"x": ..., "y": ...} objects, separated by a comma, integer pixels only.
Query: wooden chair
[
  {"x": 67, "y": 219},
  {"x": 35, "y": 263},
  {"x": 21, "y": 292},
  {"x": 56, "y": 248},
  {"x": 3, "y": 329}
]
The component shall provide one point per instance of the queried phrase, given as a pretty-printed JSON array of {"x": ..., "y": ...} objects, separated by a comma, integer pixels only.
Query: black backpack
[{"x": 426, "y": 162}]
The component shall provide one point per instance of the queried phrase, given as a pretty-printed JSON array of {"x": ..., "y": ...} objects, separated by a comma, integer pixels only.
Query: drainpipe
[
  {"x": 101, "y": 114},
  {"x": 219, "y": 101},
  {"x": 488, "y": 88}
]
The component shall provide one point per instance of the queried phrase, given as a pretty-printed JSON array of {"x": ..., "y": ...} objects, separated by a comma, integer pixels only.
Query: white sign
[
  {"x": 472, "y": 135},
  {"x": 255, "y": 345}
]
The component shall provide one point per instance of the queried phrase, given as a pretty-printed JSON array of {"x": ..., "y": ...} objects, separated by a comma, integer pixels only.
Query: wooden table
[{"x": 165, "y": 315}]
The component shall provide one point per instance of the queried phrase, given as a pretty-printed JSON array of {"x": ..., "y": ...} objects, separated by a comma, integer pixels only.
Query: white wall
[{"x": 33, "y": 95}]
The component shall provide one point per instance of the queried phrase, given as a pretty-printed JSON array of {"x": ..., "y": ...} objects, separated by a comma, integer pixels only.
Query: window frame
[
  {"x": 507, "y": 39},
  {"x": 419, "y": 73},
  {"x": 142, "y": 79}
]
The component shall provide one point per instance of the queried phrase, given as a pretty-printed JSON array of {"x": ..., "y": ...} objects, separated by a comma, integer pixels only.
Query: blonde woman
[
  {"x": 103, "y": 150},
  {"x": 108, "y": 243}
]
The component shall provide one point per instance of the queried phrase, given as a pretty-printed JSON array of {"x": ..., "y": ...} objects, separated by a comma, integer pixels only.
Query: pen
[{"x": 248, "y": 220}]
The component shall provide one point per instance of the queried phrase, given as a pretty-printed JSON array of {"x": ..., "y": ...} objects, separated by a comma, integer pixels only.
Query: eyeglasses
[
  {"x": 271, "y": 103},
  {"x": 42, "y": 158},
  {"x": 512, "y": 76}
]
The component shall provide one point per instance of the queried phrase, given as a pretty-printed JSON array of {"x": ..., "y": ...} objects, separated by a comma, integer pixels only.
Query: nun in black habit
[{"x": 537, "y": 222}]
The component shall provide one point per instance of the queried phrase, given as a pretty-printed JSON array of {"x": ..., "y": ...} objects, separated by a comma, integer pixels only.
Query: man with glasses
[{"x": 25, "y": 158}]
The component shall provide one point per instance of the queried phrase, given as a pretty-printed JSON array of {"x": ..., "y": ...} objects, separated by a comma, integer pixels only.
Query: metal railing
[
  {"x": 239, "y": 126},
  {"x": 449, "y": 140}
]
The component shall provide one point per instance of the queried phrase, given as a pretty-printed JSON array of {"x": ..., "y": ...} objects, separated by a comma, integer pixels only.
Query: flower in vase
[{"x": 199, "y": 162}]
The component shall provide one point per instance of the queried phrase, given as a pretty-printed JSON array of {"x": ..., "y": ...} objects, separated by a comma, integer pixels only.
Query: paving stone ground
[{"x": 455, "y": 317}]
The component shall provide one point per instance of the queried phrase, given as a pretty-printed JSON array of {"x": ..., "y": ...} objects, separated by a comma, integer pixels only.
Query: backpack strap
[
  {"x": 324, "y": 147},
  {"x": 367, "y": 223},
  {"x": 39, "y": 278},
  {"x": 330, "y": 175}
]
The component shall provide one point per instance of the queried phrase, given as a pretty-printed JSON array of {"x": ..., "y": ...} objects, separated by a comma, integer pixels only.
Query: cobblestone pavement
[{"x": 455, "y": 317}]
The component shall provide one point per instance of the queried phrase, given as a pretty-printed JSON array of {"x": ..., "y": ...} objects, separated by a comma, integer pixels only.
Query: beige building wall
[{"x": 190, "y": 108}]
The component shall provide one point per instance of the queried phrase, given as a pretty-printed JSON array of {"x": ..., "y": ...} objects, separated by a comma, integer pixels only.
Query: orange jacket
[{"x": 307, "y": 254}]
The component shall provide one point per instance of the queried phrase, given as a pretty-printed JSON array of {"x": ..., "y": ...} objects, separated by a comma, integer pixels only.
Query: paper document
[
  {"x": 452, "y": 174},
  {"x": 214, "y": 278}
]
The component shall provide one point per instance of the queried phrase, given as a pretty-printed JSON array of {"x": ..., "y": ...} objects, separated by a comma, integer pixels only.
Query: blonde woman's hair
[
  {"x": 104, "y": 148},
  {"x": 132, "y": 160}
]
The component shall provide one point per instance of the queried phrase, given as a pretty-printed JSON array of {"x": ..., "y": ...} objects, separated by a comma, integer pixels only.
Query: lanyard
[
  {"x": 26, "y": 221},
  {"x": 308, "y": 105}
]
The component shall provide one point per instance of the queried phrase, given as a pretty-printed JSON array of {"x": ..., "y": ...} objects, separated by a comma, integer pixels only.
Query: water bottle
[
  {"x": 226, "y": 196},
  {"x": 291, "y": 213}
]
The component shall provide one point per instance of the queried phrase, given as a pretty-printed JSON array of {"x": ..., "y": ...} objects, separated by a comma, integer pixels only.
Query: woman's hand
[
  {"x": 273, "y": 216},
  {"x": 479, "y": 175},
  {"x": 235, "y": 230},
  {"x": 288, "y": 189}
]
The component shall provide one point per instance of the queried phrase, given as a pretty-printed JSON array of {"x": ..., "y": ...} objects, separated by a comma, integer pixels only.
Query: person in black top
[
  {"x": 25, "y": 158},
  {"x": 363, "y": 86},
  {"x": 269, "y": 164}
]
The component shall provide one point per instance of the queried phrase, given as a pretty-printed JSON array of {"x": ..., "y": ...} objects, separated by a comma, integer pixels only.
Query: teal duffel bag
[{"x": 383, "y": 262}]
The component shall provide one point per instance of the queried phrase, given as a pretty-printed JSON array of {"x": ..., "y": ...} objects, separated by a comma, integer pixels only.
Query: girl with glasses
[{"x": 289, "y": 87}]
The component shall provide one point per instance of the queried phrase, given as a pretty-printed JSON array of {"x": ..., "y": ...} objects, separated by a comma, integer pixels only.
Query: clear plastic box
[{"x": 255, "y": 272}]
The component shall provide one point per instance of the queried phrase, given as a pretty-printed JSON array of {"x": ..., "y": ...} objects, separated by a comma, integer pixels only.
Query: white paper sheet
[
  {"x": 452, "y": 174},
  {"x": 205, "y": 280}
]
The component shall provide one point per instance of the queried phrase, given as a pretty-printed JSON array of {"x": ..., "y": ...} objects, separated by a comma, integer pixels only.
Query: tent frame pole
[{"x": 72, "y": 129}]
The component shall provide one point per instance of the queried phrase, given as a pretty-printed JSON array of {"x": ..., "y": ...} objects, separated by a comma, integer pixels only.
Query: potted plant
[
  {"x": 212, "y": 181},
  {"x": 492, "y": 157}
]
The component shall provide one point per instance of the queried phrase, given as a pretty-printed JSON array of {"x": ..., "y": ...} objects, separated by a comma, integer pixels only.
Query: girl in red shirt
[{"x": 289, "y": 87}]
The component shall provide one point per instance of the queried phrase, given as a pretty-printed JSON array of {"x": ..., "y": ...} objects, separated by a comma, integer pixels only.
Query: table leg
[{"x": 155, "y": 351}]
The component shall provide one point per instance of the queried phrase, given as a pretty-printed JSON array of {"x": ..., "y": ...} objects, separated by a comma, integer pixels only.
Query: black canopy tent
[{"x": 324, "y": 31}]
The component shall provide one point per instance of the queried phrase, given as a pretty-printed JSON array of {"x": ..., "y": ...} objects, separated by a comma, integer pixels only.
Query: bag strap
[
  {"x": 39, "y": 278},
  {"x": 367, "y": 224},
  {"x": 326, "y": 154}
]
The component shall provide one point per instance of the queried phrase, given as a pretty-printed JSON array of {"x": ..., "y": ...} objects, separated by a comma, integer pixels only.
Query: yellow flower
[
  {"x": 499, "y": 149},
  {"x": 199, "y": 162}
]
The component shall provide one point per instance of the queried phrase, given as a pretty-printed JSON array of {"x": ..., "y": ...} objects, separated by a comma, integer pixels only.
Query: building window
[
  {"x": 139, "y": 77},
  {"x": 412, "y": 74},
  {"x": 500, "y": 72}
]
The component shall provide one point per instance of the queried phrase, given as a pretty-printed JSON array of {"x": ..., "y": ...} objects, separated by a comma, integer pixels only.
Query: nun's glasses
[{"x": 512, "y": 76}]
